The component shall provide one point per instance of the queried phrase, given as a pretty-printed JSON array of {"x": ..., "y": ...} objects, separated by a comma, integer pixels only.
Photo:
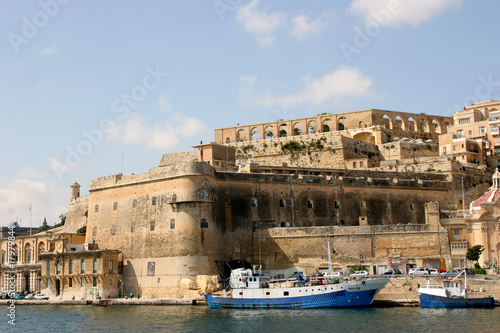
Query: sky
[{"x": 95, "y": 88}]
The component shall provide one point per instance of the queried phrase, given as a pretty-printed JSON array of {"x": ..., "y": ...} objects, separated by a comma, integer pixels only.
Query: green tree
[
  {"x": 62, "y": 217},
  {"x": 474, "y": 253},
  {"x": 44, "y": 226},
  {"x": 82, "y": 230}
]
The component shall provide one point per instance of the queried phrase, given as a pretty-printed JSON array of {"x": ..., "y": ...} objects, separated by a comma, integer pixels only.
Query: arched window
[
  {"x": 94, "y": 266},
  {"x": 82, "y": 266},
  {"x": 282, "y": 203},
  {"x": 58, "y": 267},
  {"x": 337, "y": 204},
  {"x": 41, "y": 249},
  {"x": 27, "y": 252},
  {"x": 362, "y": 205},
  {"x": 253, "y": 202},
  {"x": 309, "y": 204}
]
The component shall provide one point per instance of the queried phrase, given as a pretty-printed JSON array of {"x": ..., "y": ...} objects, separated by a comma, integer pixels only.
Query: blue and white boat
[
  {"x": 451, "y": 294},
  {"x": 249, "y": 290}
]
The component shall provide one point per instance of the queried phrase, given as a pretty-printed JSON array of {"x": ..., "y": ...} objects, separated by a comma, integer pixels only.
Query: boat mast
[{"x": 329, "y": 256}]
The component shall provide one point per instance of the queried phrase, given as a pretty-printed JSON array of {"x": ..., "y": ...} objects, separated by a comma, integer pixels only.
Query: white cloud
[
  {"x": 394, "y": 12},
  {"x": 49, "y": 51},
  {"x": 162, "y": 137},
  {"x": 164, "y": 103},
  {"x": 27, "y": 188},
  {"x": 331, "y": 88},
  {"x": 304, "y": 27},
  {"x": 260, "y": 23}
]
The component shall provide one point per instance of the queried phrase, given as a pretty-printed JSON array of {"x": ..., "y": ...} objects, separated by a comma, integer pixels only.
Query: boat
[
  {"x": 451, "y": 294},
  {"x": 101, "y": 302},
  {"x": 248, "y": 288}
]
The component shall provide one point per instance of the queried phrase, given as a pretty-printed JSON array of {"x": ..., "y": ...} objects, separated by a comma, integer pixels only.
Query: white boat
[
  {"x": 451, "y": 294},
  {"x": 247, "y": 289}
]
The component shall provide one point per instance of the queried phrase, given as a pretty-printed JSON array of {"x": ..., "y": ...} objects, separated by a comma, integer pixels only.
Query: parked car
[
  {"x": 19, "y": 296},
  {"x": 40, "y": 296},
  {"x": 393, "y": 272},
  {"x": 433, "y": 271},
  {"x": 420, "y": 271},
  {"x": 453, "y": 272},
  {"x": 360, "y": 273},
  {"x": 29, "y": 296},
  {"x": 411, "y": 270}
]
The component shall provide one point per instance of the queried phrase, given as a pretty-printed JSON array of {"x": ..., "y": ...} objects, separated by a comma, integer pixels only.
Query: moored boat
[
  {"x": 247, "y": 289},
  {"x": 451, "y": 294}
]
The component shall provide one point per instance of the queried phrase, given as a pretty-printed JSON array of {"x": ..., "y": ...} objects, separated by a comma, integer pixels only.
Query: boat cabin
[{"x": 244, "y": 278}]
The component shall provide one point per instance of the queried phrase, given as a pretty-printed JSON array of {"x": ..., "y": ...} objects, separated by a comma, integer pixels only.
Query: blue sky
[{"x": 91, "y": 88}]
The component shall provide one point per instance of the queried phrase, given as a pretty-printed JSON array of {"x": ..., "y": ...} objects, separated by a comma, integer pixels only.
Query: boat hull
[
  {"x": 455, "y": 302},
  {"x": 326, "y": 299}
]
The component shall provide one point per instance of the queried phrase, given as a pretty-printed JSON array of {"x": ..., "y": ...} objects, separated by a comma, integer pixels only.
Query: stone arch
[
  {"x": 269, "y": 132},
  {"x": 365, "y": 137},
  {"x": 312, "y": 127},
  {"x": 410, "y": 124},
  {"x": 283, "y": 133},
  {"x": 228, "y": 140},
  {"x": 387, "y": 121},
  {"x": 341, "y": 123},
  {"x": 326, "y": 125},
  {"x": 297, "y": 129},
  {"x": 240, "y": 135},
  {"x": 254, "y": 134},
  {"x": 425, "y": 125},
  {"x": 437, "y": 126},
  {"x": 399, "y": 123}
]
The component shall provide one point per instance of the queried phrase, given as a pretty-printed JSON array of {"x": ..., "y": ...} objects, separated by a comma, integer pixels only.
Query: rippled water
[{"x": 148, "y": 318}]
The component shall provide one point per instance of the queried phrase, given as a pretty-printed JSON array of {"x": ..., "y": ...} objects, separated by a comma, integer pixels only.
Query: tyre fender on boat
[
  {"x": 363, "y": 282},
  {"x": 243, "y": 279}
]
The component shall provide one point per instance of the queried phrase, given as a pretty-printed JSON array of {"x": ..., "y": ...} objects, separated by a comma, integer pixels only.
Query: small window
[
  {"x": 204, "y": 223},
  {"x": 96, "y": 208},
  {"x": 94, "y": 281},
  {"x": 82, "y": 266},
  {"x": 387, "y": 206},
  {"x": 172, "y": 223},
  {"x": 132, "y": 227},
  {"x": 94, "y": 232},
  {"x": 48, "y": 283},
  {"x": 282, "y": 203},
  {"x": 151, "y": 268},
  {"x": 203, "y": 196},
  {"x": 174, "y": 197},
  {"x": 83, "y": 282},
  {"x": 309, "y": 204},
  {"x": 354, "y": 165},
  {"x": 412, "y": 206},
  {"x": 110, "y": 266},
  {"x": 113, "y": 230},
  {"x": 444, "y": 150},
  {"x": 110, "y": 282},
  {"x": 153, "y": 201},
  {"x": 360, "y": 164},
  {"x": 456, "y": 232},
  {"x": 362, "y": 205},
  {"x": 47, "y": 268},
  {"x": 70, "y": 282},
  {"x": 337, "y": 204},
  {"x": 285, "y": 293},
  {"x": 134, "y": 203},
  {"x": 152, "y": 226},
  {"x": 115, "y": 205},
  {"x": 94, "y": 266},
  {"x": 58, "y": 267},
  {"x": 253, "y": 202},
  {"x": 70, "y": 267}
]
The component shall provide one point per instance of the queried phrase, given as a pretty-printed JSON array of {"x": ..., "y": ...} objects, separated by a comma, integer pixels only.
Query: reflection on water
[{"x": 149, "y": 318}]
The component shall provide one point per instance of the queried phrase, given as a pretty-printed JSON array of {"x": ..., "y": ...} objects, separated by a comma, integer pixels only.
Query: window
[
  {"x": 309, "y": 204},
  {"x": 174, "y": 197},
  {"x": 360, "y": 164},
  {"x": 282, "y": 203},
  {"x": 460, "y": 132},
  {"x": 172, "y": 223},
  {"x": 47, "y": 268},
  {"x": 48, "y": 283},
  {"x": 354, "y": 164},
  {"x": 362, "y": 205},
  {"x": 113, "y": 230},
  {"x": 285, "y": 293},
  {"x": 470, "y": 132},
  {"x": 151, "y": 268},
  {"x": 70, "y": 282},
  {"x": 153, "y": 201},
  {"x": 464, "y": 121},
  {"x": 337, "y": 205},
  {"x": 203, "y": 196},
  {"x": 152, "y": 226},
  {"x": 70, "y": 267},
  {"x": 132, "y": 227},
  {"x": 482, "y": 129},
  {"x": 3, "y": 257},
  {"x": 110, "y": 282},
  {"x": 110, "y": 266},
  {"x": 456, "y": 232},
  {"x": 454, "y": 148},
  {"x": 444, "y": 150},
  {"x": 134, "y": 203},
  {"x": 83, "y": 282},
  {"x": 28, "y": 253},
  {"x": 412, "y": 206},
  {"x": 115, "y": 205},
  {"x": 96, "y": 208},
  {"x": 94, "y": 281},
  {"x": 58, "y": 267},
  {"x": 94, "y": 266},
  {"x": 204, "y": 223},
  {"x": 387, "y": 206},
  {"x": 82, "y": 266},
  {"x": 253, "y": 202}
]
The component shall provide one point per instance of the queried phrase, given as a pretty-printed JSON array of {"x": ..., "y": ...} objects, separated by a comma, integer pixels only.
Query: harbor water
[{"x": 152, "y": 318}]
